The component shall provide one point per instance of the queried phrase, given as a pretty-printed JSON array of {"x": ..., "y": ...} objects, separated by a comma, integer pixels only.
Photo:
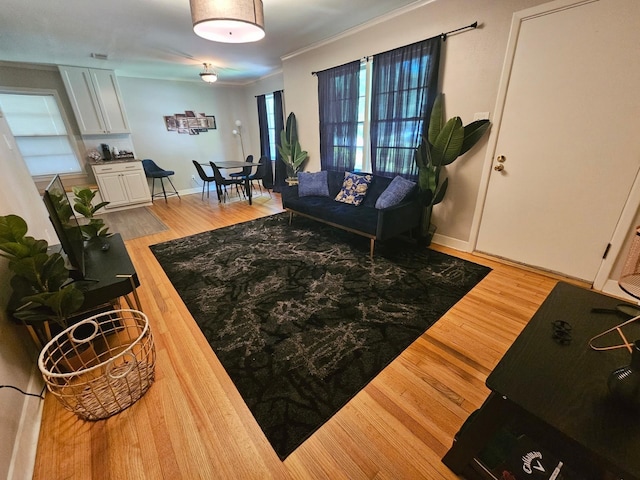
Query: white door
[{"x": 568, "y": 136}]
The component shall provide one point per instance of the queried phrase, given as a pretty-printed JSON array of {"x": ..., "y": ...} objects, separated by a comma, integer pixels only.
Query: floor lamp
[{"x": 238, "y": 131}]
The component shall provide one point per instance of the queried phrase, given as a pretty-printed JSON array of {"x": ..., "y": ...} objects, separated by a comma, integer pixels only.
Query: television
[{"x": 66, "y": 226}]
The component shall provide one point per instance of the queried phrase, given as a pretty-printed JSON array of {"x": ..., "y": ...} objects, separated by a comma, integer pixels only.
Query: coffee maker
[{"x": 106, "y": 151}]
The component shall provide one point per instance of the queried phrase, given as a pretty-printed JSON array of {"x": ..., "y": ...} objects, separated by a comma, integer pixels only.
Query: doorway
[{"x": 567, "y": 153}]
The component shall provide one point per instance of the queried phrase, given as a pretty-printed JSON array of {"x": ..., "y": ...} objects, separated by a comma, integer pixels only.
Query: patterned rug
[{"x": 301, "y": 318}]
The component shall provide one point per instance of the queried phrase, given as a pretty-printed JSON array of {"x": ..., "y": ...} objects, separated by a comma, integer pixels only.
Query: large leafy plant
[
  {"x": 40, "y": 281},
  {"x": 82, "y": 203},
  {"x": 446, "y": 141},
  {"x": 290, "y": 150}
]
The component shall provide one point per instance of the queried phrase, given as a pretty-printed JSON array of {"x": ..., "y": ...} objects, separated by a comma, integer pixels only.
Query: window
[
  {"x": 395, "y": 93},
  {"x": 363, "y": 161},
  {"x": 272, "y": 126},
  {"x": 40, "y": 133}
]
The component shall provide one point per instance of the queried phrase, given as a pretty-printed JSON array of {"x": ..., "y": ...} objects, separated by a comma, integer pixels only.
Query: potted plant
[
  {"x": 40, "y": 283},
  {"x": 446, "y": 142},
  {"x": 290, "y": 150},
  {"x": 82, "y": 203}
]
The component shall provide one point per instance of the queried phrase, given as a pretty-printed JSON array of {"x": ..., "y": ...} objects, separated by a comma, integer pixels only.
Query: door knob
[
  {"x": 501, "y": 158},
  {"x": 499, "y": 168}
]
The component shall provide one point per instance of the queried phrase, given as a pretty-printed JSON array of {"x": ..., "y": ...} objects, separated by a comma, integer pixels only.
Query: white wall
[
  {"x": 148, "y": 101},
  {"x": 471, "y": 67},
  {"x": 19, "y": 415}
]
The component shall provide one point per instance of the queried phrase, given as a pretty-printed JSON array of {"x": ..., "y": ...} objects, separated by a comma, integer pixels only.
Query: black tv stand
[{"x": 109, "y": 276}]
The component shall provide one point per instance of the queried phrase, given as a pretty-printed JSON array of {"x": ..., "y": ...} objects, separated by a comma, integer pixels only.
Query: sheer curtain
[
  {"x": 404, "y": 87},
  {"x": 338, "y": 102}
]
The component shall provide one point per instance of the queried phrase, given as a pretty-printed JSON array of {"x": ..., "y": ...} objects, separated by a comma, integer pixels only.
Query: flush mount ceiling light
[
  {"x": 229, "y": 21},
  {"x": 208, "y": 75}
]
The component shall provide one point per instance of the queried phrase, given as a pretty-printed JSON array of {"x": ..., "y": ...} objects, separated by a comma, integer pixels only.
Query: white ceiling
[{"x": 155, "y": 39}]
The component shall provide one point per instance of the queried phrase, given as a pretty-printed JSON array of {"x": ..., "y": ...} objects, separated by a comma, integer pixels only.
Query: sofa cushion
[
  {"x": 354, "y": 188},
  {"x": 313, "y": 184},
  {"x": 397, "y": 190},
  {"x": 349, "y": 216}
]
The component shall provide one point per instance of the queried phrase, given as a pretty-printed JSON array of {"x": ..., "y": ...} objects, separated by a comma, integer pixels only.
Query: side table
[{"x": 557, "y": 393}]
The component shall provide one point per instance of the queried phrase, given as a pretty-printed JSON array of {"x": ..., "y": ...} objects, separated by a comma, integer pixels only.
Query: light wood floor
[{"x": 193, "y": 424}]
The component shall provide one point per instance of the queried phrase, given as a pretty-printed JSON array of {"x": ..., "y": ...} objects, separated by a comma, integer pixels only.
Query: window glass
[
  {"x": 40, "y": 133},
  {"x": 271, "y": 124}
]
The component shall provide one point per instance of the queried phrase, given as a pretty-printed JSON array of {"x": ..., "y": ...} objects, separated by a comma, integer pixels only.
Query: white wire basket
[{"x": 101, "y": 365}]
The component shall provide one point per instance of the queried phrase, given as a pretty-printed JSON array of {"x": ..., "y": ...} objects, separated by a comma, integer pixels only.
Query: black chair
[
  {"x": 261, "y": 175},
  {"x": 222, "y": 182},
  {"x": 206, "y": 179},
  {"x": 246, "y": 171},
  {"x": 152, "y": 170}
]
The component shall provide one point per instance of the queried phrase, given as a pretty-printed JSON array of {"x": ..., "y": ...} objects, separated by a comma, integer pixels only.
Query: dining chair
[
  {"x": 261, "y": 175},
  {"x": 152, "y": 170},
  {"x": 222, "y": 182},
  {"x": 246, "y": 171},
  {"x": 206, "y": 179}
]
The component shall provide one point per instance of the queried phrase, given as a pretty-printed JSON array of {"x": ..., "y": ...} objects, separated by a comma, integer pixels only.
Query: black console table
[
  {"x": 109, "y": 276},
  {"x": 557, "y": 393},
  {"x": 110, "y": 273}
]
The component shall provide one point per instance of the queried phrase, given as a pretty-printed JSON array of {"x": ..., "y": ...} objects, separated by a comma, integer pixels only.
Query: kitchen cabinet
[
  {"x": 122, "y": 183},
  {"x": 96, "y": 101}
]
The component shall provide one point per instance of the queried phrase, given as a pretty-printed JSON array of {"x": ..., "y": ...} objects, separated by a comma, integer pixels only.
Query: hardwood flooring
[{"x": 193, "y": 424}]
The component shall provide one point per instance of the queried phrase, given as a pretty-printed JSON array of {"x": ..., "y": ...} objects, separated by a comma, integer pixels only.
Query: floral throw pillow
[{"x": 354, "y": 188}]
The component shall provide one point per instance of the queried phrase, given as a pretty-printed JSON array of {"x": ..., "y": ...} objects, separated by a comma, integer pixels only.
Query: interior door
[{"x": 568, "y": 150}]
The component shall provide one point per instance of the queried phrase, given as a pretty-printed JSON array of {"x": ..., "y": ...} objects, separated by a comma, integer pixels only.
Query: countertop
[{"x": 111, "y": 162}]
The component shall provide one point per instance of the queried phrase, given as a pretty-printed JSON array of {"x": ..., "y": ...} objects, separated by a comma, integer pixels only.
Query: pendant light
[
  {"x": 208, "y": 75},
  {"x": 228, "y": 21}
]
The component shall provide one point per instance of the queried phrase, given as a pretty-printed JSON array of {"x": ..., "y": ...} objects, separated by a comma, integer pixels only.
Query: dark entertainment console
[
  {"x": 553, "y": 392},
  {"x": 109, "y": 276}
]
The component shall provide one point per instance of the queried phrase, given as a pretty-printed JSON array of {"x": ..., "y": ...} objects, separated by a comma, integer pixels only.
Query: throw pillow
[
  {"x": 397, "y": 190},
  {"x": 313, "y": 184},
  {"x": 354, "y": 188}
]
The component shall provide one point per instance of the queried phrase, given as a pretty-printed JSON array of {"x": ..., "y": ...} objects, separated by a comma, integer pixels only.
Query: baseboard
[
  {"x": 451, "y": 242},
  {"x": 23, "y": 456}
]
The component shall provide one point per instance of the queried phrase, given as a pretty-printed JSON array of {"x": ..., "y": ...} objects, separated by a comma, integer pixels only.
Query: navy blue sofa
[{"x": 364, "y": 219}]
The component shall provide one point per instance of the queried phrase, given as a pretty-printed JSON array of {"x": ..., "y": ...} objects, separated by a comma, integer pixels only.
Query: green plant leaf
[
  {"x": 448, "y": 144},
  {"x": 12, "y": 228},
  {"x": 436, "y": 119},
  {"x": 473, "y": 133},
  {"x": 439, "y": 195}
]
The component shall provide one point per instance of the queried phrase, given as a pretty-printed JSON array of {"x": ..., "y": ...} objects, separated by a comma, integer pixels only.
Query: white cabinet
[
  {"x": 122, "y": 184},
  {"x": 96, "y": 100}
]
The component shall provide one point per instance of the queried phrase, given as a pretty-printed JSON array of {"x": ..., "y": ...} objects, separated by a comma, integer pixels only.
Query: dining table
[{"x": 238, "y": 164}]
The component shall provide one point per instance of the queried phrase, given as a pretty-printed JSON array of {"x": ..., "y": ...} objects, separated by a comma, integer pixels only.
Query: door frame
[{"x": 627, "y": 216}]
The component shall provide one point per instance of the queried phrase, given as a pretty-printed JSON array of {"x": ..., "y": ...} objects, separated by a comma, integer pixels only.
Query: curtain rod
[
  {"x": 443, "y": 36},
  {"x": 275, "y": 91}
]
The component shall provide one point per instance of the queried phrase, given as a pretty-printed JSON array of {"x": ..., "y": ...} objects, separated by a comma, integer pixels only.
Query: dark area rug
[{"x": 301, "y": 318}]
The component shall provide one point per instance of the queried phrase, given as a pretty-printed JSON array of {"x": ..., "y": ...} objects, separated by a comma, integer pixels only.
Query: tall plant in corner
[
  {"x": 290, "y": 149},
  {"x": 446, "y": 141}
]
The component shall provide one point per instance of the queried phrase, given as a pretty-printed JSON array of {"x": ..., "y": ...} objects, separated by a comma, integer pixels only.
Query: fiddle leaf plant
[
  {"x": 82, "y": 203},
  {"x": 445, "y": 142},
  {"x": 290, "y": 150},
  {"x": 39, "y": 284}
]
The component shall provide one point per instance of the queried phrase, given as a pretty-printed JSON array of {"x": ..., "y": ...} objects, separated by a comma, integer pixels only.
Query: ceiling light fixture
[
  {"x": 228, "y": 21},
  {"x": 208, "y": 75}
]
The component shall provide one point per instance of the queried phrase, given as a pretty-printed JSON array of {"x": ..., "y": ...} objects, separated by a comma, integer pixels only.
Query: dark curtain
[
  {"x": 404, "y": 87},
  {"x": 338, "y": 101},
  {"x": 265, "y": 145},
  {"x": 281, "y": 168}
]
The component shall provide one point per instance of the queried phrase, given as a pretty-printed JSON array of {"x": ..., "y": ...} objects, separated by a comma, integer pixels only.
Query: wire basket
[{"x": 101, "y": 365}]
